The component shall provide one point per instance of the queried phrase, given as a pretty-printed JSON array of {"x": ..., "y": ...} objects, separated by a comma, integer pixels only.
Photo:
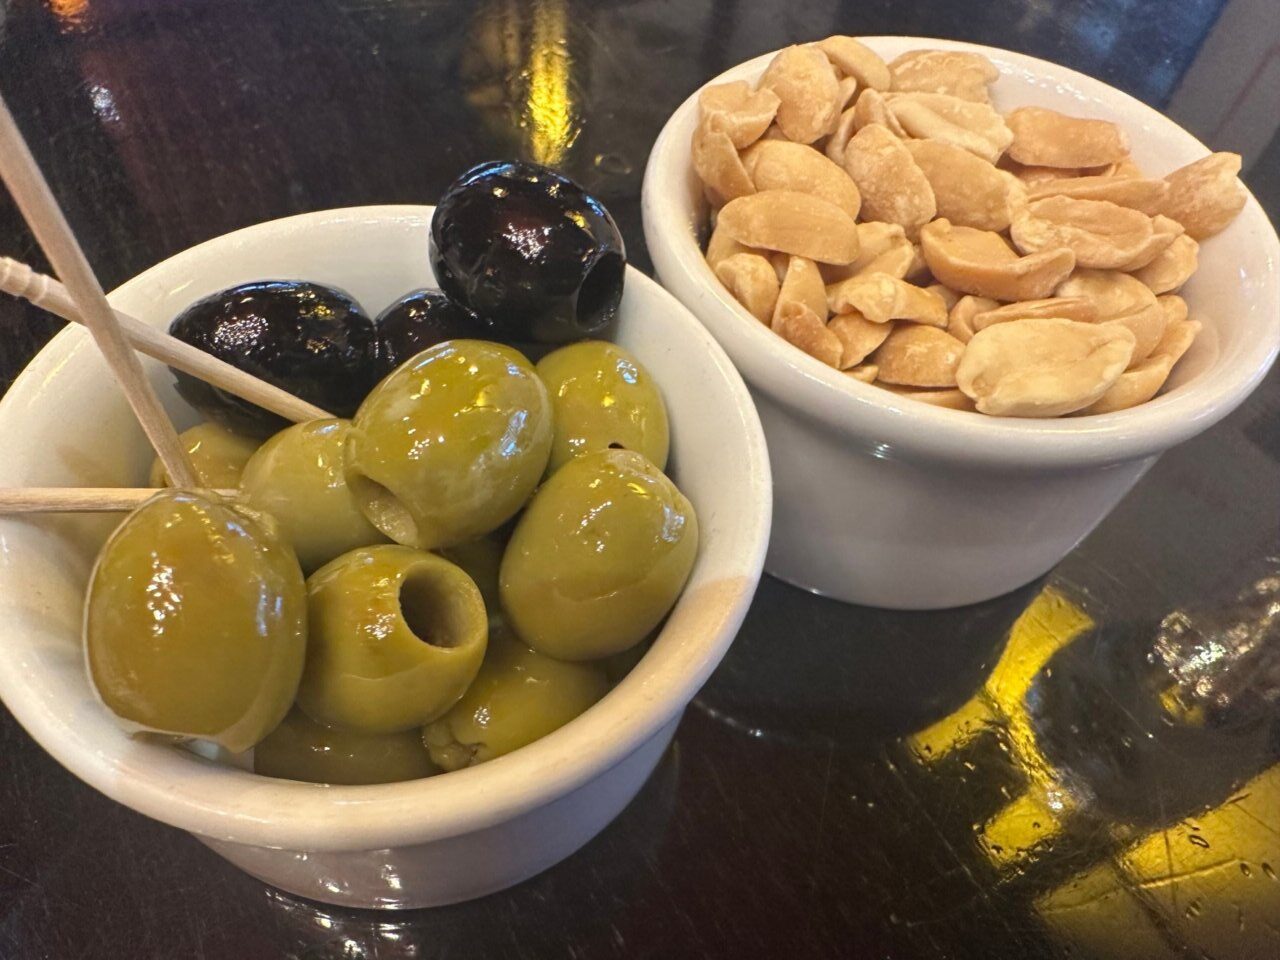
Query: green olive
[
  {"x": 196, "y": 620},
  {"x": 396, "y": 637},
  {"x": 599, "y": 556},
  {"x": 603, "y": 398},
  {"x": 450, "y": 445},
  {"x": 481, "y": 560},
  {"x": 297, "y": 476},
  {"x": 217, "y": 454},
  {"x": 301, "y": 749},
  {"x": 518, "y": 696}
]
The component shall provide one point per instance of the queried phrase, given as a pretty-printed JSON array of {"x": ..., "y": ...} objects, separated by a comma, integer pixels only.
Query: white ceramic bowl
[
  {"x": 419, "y": 843},
  {"x": 894, "y": 503}
]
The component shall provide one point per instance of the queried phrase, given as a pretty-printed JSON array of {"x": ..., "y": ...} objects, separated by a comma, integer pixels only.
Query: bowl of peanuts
[{"x": 975, "y": 295}]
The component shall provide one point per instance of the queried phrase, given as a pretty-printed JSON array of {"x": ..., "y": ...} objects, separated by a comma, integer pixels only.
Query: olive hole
[
  {"x": 616, "y": 446},
  {"x": 383, "y": 508},
  {"x": 428, "y": 611},
  {"x": 600, "y": 291}
]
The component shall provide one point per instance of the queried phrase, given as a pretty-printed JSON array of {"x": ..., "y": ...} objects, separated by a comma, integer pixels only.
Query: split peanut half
[
  {"x": 736, "y": 110},
  {"x": 918, "y": 356},
  {"x": 1046, "y": 138},
  {"x": 782, "y": 165},
  {"x": 1042, "y": 368},
  {"x": 1206, "y": 195},
  {"x": 859, "y": 337},
  {"x": 981, "y": 263},
  {"x": 893, "y": 187},
  {"x": 790, "y": 222},
  {"x": 1101, "y": 234},
  {"x": 953, "y": 72},
  {"x": 881, "y": 298},
  {"x": 807, "y": 89},
  {"x": 975, "y": 127}
]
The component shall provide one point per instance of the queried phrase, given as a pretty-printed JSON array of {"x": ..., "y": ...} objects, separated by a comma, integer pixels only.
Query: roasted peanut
[
  {"x": 969, "y": 191},
  {"x": 802, "y": 328},
  {"x": 1042, "y": 368},
  {"x": 864, "y": 373},
  {"x": 882, "y": 248},
  {"x": 949, "y": 297},
  {"x": 803, "y": 284},
  {"x": 1163, "y": 232},
  {"x": 1136, "y": 385},
  {"x": 791, "y": 222},
  {"x": 871, "y": 107},
  {"x": 953, "y": 72},
  {"x": 839, "y": 139},
  {"x": 719, "y": 167},
  {"x": 1138, "y": 193},
  {"x": 721, "y": 246},
  {"x": 782, "y": 165},
  {"x": 857, "y": 60},
  {"x": 960, "y": 318},
  {"x": 881, "y": 298},
  {"x": 1046, "y": 138},
  {"x": 1080, "y": 309},
  {"x": 1031, "y": 176},
  {"x": 893, "y": 188},
  {"x": 738, "y": 111},
  {"x": 982, "y": 263},
  {"x": 807, "y": 90},
  {"x": 1206, "y": 195},
  {"x": 918, "y": 356},
  {"x": 858, "y": 335},
  {"x": 1120, "y": 299},
  {"x": 1172, "y": 267},
  {"x": 1101, "y": 234},
  {"x": 951, "y": 398},
  {"x": 1175, "y": 312},
  {"x": 1177, "y": 340},
  {"x": 936, "y": 116},
  {"x": 752, "y": 281}
]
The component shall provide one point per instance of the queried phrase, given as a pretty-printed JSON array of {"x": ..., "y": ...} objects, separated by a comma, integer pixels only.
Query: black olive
[
  {"x": 529, "y": 251},
  {"x": 311, "y": 340},
  {"x": 419, "y": 320}
]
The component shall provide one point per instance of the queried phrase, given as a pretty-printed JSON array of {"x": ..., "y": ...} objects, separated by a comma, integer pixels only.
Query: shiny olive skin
[
  {"x": 519, "y": 696},
  {"x": 196, "y": 621},
  {"x": 603, "y": 399},
  {"x": 598, "y": 558},
  {"x": 529, "y": 251},
  {"x": 396, "y": 637},
  {"x": 419, "y": 320},
  {"x": 451, "y": 445},
  {"x": 314, "y": 341},
  {"x": 217, "y": 454},
  {"x": 299, "y": 477},
  {"x": 301, "y": 749}
]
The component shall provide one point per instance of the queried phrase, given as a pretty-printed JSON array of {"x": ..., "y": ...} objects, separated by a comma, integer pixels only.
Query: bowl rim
[
  {"x": 869, "y": 414},
  {"x": 234, "y": 805}
]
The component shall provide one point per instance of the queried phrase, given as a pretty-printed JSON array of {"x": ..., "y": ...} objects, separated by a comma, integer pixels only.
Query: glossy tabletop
[{"x": 1089, "y": 767}]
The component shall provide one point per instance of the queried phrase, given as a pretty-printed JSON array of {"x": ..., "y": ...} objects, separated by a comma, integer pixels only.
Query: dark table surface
[{"x": 1051, "y": 774}]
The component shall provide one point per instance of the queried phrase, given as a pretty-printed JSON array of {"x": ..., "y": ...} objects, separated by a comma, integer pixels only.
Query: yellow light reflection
[
  {"x": 1045, "y": 627},
  {"x": 1033, "y": 820},
  {"x": 549, "y": 102}
]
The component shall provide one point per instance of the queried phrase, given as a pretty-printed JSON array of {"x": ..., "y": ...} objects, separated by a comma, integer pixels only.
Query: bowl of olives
[{"x": 426, "y": 648}]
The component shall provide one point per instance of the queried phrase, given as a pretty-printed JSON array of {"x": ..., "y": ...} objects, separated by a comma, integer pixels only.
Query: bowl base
[{"x": 454, "y": 869}]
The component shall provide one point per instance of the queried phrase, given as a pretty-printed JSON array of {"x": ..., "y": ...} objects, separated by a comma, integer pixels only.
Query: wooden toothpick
[
  {"x": 27, "y": 184},
  {"x": 20, "y": 280},
  {"x": 79, "y": 499}
]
